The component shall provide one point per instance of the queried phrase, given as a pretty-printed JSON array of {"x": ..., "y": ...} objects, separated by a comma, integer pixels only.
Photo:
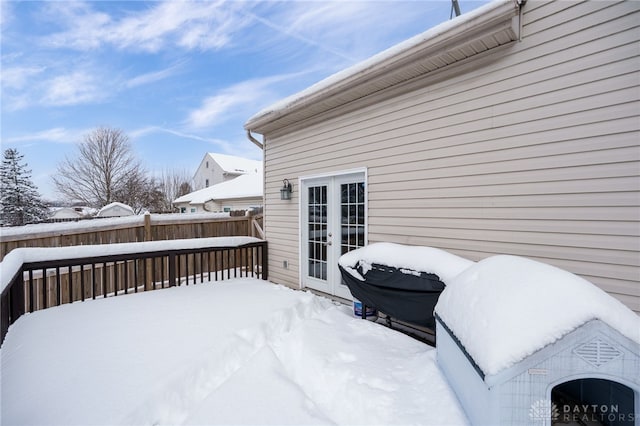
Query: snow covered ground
[{"x": 238, "y": 352}]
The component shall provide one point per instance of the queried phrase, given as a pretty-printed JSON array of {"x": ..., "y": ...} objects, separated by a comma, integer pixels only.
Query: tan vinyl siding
[{"x": 533, "y": 150}]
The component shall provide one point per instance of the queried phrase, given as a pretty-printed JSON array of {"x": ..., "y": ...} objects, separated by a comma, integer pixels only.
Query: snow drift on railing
[{"x": 13, "y": 261}]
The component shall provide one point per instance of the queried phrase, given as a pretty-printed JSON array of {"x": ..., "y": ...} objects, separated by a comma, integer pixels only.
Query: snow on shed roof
[
  {"x": 64, "y": 213},
  {"x": 482, "y": 29},
  {"x": 505, "y": 308},
  {"x": 115, "y": 204},
  {"x": 245, "y": 186},
  {"x": 233, "y": 164}
]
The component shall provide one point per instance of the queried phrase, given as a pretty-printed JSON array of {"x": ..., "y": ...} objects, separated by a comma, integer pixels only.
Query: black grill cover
[{"x": 408, "y": 296}]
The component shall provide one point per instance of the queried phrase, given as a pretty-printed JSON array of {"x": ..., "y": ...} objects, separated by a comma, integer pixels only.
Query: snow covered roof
[
  {"x": 65, "y": 213},
  {"x": 246, "y": 186},
  {"x": 115, "y": 205},
  {"x": 505, "y": 308},
  {"x": 235, "y": 165},
  {"x": 482, "y": 29}
]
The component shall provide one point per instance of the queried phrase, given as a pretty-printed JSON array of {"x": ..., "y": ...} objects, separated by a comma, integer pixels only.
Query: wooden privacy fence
[
  {"x": 46, "y": 283},
  {"x": 131, "y": 229}
]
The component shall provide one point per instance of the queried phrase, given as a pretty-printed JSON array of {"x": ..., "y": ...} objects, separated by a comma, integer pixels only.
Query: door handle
[{"x": 328, "y": 243}]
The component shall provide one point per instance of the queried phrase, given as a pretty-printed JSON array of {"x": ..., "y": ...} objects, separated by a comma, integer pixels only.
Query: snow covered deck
[{"x": 237, "y": 352}]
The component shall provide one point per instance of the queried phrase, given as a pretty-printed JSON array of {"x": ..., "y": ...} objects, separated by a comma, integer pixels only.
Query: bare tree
[
  {"x": 102, "y": 168},
  {"x": 141, "y": 193},
  {"x": 173, "y": 184}
]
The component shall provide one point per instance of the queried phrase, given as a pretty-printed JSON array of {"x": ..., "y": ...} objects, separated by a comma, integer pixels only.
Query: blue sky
[{"x": 180, "y": 78}]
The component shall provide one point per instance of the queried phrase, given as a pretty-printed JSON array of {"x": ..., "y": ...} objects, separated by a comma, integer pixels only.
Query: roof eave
[{"x": 399, "y": 63}]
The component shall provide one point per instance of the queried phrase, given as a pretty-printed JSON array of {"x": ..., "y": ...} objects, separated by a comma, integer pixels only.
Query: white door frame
[{"x": 333, "y": 180}]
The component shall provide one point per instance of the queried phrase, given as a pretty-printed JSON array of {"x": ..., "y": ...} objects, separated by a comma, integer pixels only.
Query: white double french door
[{"x": 333, "y": 221}]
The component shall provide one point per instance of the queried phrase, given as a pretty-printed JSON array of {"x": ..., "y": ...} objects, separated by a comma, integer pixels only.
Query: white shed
[
  {"x": 65, "y": 213},
  {"x": 522, "y": 342},
  {"x": 115, "y": 210}
]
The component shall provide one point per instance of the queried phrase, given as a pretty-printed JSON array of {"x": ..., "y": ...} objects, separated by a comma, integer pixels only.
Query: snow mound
[
  {"x": 505, "y": 308},
  {"x": 414, "y": 258},
  {"x": 242, "y": 351}
]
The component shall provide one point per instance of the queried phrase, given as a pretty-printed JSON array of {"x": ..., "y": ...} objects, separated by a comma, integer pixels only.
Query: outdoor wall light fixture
[{"x": 285, "y": 192}]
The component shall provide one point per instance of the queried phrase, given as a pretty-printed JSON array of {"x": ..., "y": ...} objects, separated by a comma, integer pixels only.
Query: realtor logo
[{"x": 544, "y": 409}]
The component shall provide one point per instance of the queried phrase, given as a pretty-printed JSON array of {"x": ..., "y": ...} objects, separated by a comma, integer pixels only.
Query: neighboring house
[
  {"x": 115, "y": 210},
  {"x": 217, "y": 168},
  {"x": 64, "y": 214},
  {"x": 242, "y": 193},
  {"x": 510, "y": 129}
]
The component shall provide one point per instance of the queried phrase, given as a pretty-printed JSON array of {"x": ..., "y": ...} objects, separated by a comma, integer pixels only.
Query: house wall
[
  {"x": 219, "y": 205},
  {"x": 531, "y": 150},
  {"x": 214, "y": 173},
  {"x": 188, "y": 207},
  {"x": 234, "y": 204}
]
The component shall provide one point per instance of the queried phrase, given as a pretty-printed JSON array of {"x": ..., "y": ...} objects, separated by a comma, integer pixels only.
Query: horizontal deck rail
[{"x": 46, "y": 283}]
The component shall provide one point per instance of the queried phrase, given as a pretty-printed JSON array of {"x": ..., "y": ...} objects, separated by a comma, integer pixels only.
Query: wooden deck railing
[{"x": 46, "y": 283}]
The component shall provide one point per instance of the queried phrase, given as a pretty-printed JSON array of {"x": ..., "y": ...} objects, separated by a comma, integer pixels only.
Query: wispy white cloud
[
  {"x": 349, "y": 31},
  {"x": 78, "y": 87},
  {"x": 220, "y": 145},
  {"x": 56, "y": 134},
  {"x": 234, "y": 100},
  {"x": 291, "y": 32},
  {"x": 86, "y": 26},
  {"x": 186, "y": 24},
  {"x": 6, "y": 13},
  {"x": 18, "y": 76},
  {"x": 151, "y": 77},
  {"x": 144, "y": 131}
]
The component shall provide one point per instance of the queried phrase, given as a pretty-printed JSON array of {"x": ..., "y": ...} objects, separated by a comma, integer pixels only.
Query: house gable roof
[
  {"x": 235, "y": 165},
  {"x": 478, "y": 31},
  {"x": 246, "y": 186}
]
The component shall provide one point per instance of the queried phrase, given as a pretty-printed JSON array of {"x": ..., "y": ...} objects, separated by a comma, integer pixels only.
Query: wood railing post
[
  {"x": 18, "y": 301},
  {"x": 4, "y": 315},
  {"x": 148, "y": 236},
  {"x": 265, "y": 262},
  {"x": 172, "y": 270}
]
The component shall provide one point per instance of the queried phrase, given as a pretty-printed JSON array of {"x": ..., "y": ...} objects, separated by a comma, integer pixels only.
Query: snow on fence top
[
  {"x": 423, "y": 259},
  {"x": 104, "y": 223},
  {"x": 505, "y": 308},
  {"x": 14, "y": 260}
]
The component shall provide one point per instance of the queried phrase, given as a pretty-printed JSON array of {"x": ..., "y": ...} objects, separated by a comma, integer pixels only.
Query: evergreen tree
[{"x": 20, "y": 202}]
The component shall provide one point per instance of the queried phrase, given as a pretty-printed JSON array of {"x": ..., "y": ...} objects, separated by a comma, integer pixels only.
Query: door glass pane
[
  {"x": 352, "y": 216},
  {"x": 317, "y": 229}
]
